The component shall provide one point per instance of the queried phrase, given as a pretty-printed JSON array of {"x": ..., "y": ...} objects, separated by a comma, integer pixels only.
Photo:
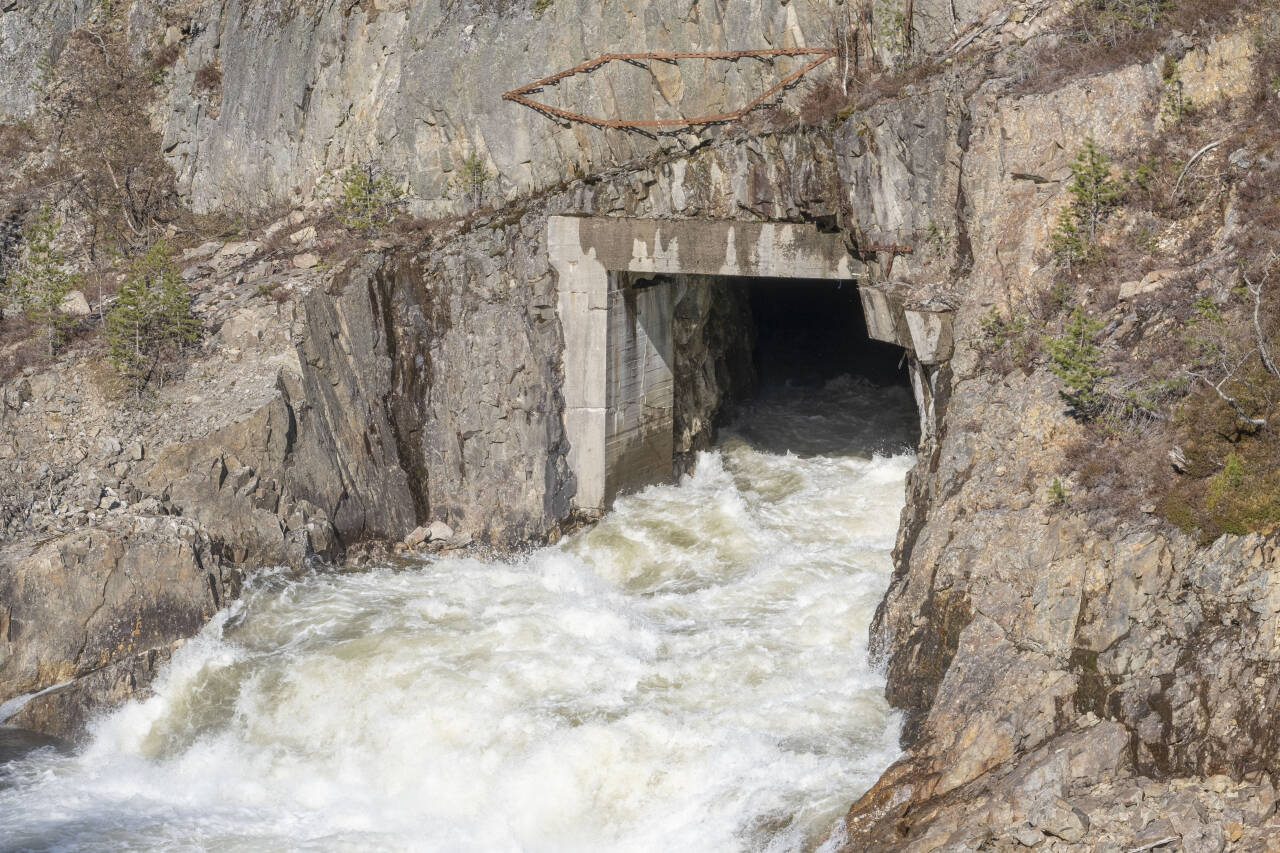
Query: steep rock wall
[
  {"x": 714, "y": 339},
  {"x": 405, "y": 385},
  {"x": 440, "y": 371},
  {"x": 1011, "y": 627},
  {"x": 416, "y": 87},
  {"x": 32, "y": 35},
  {"x": 87, "y": 619},
  {"x": 305, "y": 88}
]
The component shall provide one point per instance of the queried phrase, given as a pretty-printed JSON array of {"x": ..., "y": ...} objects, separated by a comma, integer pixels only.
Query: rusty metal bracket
[
  {"x": 521, "y": 95},
  {"x": 893, "y": 249}
]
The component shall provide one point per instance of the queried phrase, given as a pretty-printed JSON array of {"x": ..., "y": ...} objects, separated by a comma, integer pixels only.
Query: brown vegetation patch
[
  {"x": 105, "y": 159},
  {"x": 208, "y": 80},
  {"x": 20, "y": 347},
  {"x": 1183, "y": 286},
  {"x": 166, "y": 56},
  {"x": 827, "y": 100},
  {"x": 1204, "y": 452},
  {"x": 1098, "y": 36}
]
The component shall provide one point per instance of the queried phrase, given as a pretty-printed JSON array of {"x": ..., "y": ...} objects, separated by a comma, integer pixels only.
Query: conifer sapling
[
  {"x": 42, "y": 281},
  {"x": 151, "y": 321}
]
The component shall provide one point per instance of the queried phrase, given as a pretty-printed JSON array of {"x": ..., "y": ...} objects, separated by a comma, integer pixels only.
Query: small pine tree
[
  {"x": 1093, "y": 193},
  {"x": 1068, "y": 246},
  {"x": 1058, "y": 493},
  {"x": 10, "y": 241},
  {"x": 1233, "y": 471},
  {"x": 1177, "y": 106},
  {"x": 42, "y": 281},
  {"x": 474, "y": 177},
  {"x": 1076, "y": 360},
  {"x": 368, "y": 200},
  {"x": 151, "y": 321}
]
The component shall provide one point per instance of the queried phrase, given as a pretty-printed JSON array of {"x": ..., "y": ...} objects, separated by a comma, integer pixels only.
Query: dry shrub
[
  {"x": 887, "y": 86},
  {"x": 17, "y": 140},
  {"x": 99, "y": 284},
  {"x": 1102, "y": 35},
  {"x": 166, "y": 56},
  {"x": 14, "y": 359},
  {"x": 823, "y": 101},
  {"x": 826, "y": 100},
  {"x": 279, "y": 242},
  {"x": 105, "y": 155},
  {"x": 10, "y": 238},
  {"x": 1120, "y": 475},
  {"x": 410, "y": 228},
  {"x": 208, "y": 80},
  {"x": 1259, "y": 200},
  {"x": 1258, "y": 191},
  {"x": 20, "y": 347}
]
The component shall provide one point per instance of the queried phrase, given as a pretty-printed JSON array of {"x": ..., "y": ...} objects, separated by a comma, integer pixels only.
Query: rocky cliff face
[
  {"x": 1071, "y": 679},
  {"x": 89, "y": 617},
  {"x": 32, "y": 35},
  {"x": 416, "y": 88},
  {"x": 447, "y": 361},
  {"x": 1013, "y": 626},
  {"x": 344, "y": 407},
  {"x": 302, "y": 89}
]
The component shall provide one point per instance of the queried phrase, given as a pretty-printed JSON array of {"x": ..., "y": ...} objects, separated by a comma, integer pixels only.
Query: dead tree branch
[
  {"x": 1256, "y": 290},
  {"x": 1177, "y": 188},
  {"x": 1227, "y": 398}
]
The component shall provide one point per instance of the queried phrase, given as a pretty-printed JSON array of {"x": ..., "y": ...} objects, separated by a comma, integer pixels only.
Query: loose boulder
[{"x": 75, "y": 304}]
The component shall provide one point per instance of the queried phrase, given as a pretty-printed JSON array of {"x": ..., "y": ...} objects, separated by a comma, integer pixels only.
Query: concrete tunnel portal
[{"x": 618, "y": 283}]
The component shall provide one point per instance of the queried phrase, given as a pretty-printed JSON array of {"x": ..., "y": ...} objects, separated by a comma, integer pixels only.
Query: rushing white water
[{"x": 690, "y": 674}]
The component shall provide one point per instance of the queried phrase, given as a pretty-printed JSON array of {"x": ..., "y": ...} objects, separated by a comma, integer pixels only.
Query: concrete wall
[
  {"x": 618, "y": 329},
  {"x": 639, "y": 393},
  {"x": 925, "y": 332},
  {"x": 617, "y": 378}
]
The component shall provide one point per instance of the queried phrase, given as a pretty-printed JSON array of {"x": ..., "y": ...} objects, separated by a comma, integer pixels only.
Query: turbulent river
[{"x": 691, "y": 674}]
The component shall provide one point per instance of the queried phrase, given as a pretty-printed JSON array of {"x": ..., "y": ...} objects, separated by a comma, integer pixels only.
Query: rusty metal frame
[
  {"x": 893, "y": 249},
  {"x": 520, "y": 96}
]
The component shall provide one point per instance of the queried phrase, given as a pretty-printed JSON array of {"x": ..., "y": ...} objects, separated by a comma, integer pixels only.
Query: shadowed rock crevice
[{"x": 917, "y": 664}]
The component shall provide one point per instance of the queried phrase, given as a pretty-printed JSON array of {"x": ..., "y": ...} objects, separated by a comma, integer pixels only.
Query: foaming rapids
[{"x": 690, "y": 674}]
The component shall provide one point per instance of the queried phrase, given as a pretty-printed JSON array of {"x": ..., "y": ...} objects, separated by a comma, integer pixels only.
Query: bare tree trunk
[
  {"x": 1230, "y": 401},
  {"x": 1256, "y": 290}
]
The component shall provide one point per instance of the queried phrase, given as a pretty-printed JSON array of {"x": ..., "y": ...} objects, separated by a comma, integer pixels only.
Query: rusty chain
[{"x": 521, "y": 95}]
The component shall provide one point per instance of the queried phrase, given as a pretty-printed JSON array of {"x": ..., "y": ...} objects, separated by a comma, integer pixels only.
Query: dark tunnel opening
[
  {"x": 796, "y": 368},
  {"x": 786, "y": 364},
  {"x": 822, "y": 385},
  {"x": 809, "y": 332}
]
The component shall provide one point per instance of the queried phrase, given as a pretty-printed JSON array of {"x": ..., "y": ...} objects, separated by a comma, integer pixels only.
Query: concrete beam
[
  {"x": 883, "y": 314},
  {"x": 931, "y": 335},
  {"x": 923, "y": 330},
  {"x": 700, "y": 247}
]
